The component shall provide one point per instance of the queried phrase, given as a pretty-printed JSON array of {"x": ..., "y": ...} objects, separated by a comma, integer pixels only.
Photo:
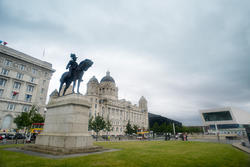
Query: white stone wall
[
  {"x": 35, "y": 74},
  {"x": 104, "y": 101}
]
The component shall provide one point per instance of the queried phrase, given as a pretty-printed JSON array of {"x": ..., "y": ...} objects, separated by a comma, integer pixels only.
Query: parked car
[
  {"x": 3, "y": 135},
  {"x": 19, "y": 136},
  {"x": 1, "y": 138},
  {"x": 10, "y": 136}
]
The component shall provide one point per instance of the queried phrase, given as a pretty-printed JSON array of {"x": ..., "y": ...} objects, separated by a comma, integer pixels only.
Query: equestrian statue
[{"x": 74, "y": 74}]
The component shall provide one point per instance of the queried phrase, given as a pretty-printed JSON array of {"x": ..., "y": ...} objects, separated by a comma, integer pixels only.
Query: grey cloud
[{"x": 181, "y": 55}]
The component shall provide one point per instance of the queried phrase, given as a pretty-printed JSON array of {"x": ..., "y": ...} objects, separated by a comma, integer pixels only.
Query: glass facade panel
[
  {"x": 217, "y": 116},
  {"x": 228, "y": 126}
]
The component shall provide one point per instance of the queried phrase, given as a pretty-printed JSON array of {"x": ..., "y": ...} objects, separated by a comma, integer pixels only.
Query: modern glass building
[{"x": 226, "y": 121}]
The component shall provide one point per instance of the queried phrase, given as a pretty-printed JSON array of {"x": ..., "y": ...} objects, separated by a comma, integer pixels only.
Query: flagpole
[{"x": 43, "y": 52}]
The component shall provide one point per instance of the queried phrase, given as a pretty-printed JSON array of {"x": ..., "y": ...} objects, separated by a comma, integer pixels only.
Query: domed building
[{"x": 104, "y": 98}]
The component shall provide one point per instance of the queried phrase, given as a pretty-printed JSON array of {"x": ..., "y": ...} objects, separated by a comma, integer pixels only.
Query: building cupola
[{"x": 107, "y": 78}]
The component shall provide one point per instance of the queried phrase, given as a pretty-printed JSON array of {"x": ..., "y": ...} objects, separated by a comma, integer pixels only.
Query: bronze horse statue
[{"x": 76, "y": 76}]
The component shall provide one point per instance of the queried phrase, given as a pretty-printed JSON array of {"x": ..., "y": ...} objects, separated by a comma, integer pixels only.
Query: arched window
[{"x": 7, "y": 122}]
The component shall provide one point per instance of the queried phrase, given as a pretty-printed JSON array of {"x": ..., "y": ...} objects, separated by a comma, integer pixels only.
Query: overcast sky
[{"x": 181, "y": 55}]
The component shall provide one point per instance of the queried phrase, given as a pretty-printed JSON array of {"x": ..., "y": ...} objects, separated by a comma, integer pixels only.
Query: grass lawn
[{"x": 141, "y": 153}]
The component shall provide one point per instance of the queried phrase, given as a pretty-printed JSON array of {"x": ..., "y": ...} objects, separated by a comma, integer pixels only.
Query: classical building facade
[
  {"x": 24, "y": 82},
  {"x": 105, "y": 102}
]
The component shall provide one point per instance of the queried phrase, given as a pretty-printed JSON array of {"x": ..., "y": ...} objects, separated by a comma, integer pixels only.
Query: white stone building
[
  {"x": 105, "y": 102},
  {"x": 24, "y": 81}
]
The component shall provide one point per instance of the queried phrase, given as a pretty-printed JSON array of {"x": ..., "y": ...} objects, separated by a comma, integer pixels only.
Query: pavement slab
[{"x": 33, "y": 153}]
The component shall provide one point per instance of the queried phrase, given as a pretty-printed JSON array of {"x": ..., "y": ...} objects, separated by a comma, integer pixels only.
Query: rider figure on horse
[{"x": 72, "y": 65}]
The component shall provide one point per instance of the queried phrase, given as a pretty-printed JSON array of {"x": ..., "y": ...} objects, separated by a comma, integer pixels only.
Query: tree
[
  {"x": 169, "y": 128},
  {"x": 25, "y": 119},
  {"x": 97, "y": 124},
  {"x": 178, "y": 129},
  {"x": 37, "y": 118},
  {"x": 129, "y": 130},
  {"x": 108, "y": 126},
  {"x": 163, "y": 128},
  {"x": 135, "y": 128},
  {"x": 90, "y": 124},
  {"x": 192, "y": 129},
  {"x": 156, "y": 128}
]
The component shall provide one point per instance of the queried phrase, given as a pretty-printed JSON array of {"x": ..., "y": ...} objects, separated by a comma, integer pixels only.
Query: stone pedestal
[{"x": 66, "y": 127}]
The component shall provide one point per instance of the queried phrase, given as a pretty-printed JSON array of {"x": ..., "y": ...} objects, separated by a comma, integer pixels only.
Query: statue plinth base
[{"x": 66, "y": 127}]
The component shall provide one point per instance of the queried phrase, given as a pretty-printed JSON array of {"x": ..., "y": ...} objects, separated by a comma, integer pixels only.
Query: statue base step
[
  {"x": 60, "y": 150},
  {"x": 68, "y": 142}
]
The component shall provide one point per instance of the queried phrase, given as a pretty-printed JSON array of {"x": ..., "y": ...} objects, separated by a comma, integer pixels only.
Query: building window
[
  {"x": 5, "y": 71},
  {"x": 30, "y": 88},
  {"x": 28, "y": 98},
  {"x": 7, "y": 62},
  {"x": 21, "y": 67},
  {"x": 17, "y": 85},
  {"x": 42, "y": 90},
  {"x": 11, "y": 107},
  {"x": 6, "y": 123},
  {"x": 19, "y": 76},
  {"x": 2, "y": 82},
  {"x": 217, "y": 116},
  {"x": 14, "y": 95},
  {"x": 95, "y": 105},
  {"x": 44, "y": 82},
  {"x": 1, "y": 92},
  {"x": 26, "y": 108},
  {"x": 34, "y": 71},
  {"x": 32, "y": 79}
]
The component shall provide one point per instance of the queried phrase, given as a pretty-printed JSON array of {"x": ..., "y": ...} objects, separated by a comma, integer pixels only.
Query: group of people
[{"x": 184, "y": 137}]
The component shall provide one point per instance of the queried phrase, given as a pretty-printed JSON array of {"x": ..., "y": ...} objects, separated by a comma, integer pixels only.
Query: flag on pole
[
  {"x": 3, "y": 42},
  {"x": 15, "y": 93}
]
